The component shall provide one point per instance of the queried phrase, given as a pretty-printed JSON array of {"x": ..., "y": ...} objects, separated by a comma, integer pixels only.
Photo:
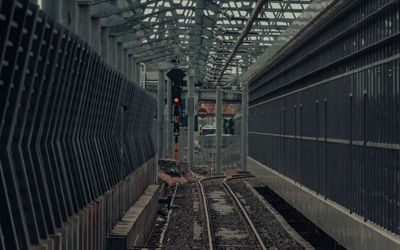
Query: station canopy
[{"x": 198, "y": 34}]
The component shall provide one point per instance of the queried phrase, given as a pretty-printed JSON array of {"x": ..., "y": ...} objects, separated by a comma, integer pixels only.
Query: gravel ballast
[
  {"x": 229, "y": 230},
  {"x": 186, "y": 229},
  {"x": 274, "y": 235}
]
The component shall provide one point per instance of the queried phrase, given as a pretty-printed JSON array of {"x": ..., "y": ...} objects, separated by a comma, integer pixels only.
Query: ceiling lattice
[{"x": 199, "y": 33}]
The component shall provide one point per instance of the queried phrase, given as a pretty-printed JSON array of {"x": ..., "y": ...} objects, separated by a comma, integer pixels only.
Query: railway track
[{"x": 227, "y": 224}]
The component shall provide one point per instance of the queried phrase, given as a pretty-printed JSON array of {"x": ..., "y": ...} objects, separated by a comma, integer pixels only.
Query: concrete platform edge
[
  {"x": 348, "y": 229},
  {"x": 134, "y": 228}
]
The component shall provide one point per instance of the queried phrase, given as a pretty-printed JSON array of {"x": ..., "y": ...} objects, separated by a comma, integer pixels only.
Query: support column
[
  {"x": 83, "y": 26},
  {"x": 53, "y": 8},
  {"x": 134, "y": 73},
  {"x": 129, "y": 66},
  {"x": 170, "y": 148},
  {"x": 160, "y": 112},
  {"x": 218, "y": 123},
  {"x": 126, "y": 63},
  {"x": 112, "y": 50},
  {"x": 137, "y": 79},
  {"x": 69, "y": 11},
  {"x": 104, "y": 43},
  {"x": 120, "y": 57},
  {"x": 95, "y": 34},
  {"x": 244, "y": 132},
  {"x": 237, "y": 72},
  {"x": 190, "y": 85},
  {"x": 143, "y": 75}
]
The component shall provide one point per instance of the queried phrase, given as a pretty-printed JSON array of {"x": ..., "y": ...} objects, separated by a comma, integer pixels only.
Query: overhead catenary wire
[{"x": 242, "y": 36}]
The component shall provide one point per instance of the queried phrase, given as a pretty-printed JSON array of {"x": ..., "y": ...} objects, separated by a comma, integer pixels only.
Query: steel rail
[
  {"x": 210, "y": 232},
  {"x": 243, "y": 210}
]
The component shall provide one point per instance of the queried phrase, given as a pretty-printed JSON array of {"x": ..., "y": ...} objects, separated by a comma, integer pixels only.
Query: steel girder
[{"x": 199, "y": 26}]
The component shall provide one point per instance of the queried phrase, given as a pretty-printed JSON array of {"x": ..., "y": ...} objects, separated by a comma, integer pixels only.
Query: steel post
[
  {"x": 112, "y": 50},
  {"x": 104, "y": 43},
  {"x": 137, "y": 78},
  {"x": 143, "y": 75},
  {"x": 129, "y": 67},
  {"x": 134, "y": 69},
  {"x": 160, "y": 112},
  {"x": 121, "y": 156},
  {"x": 53, "y": 8},
  {"x": 244, "y": 131},
  {"x": 95, "y": 38},
  {"x": 218, "y": 124},
  {"x": 190, "y": 105},
  {"x": 83, "y": 27},
  {"x": 126, "y": 62},
  {"x": 120, "y": 57},
  {"x": 69, "y": 14}
]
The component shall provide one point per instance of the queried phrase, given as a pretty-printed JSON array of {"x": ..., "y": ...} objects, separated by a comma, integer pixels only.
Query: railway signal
[
  {"x": 176, "y": 76},
  {"x": 176, "y": 94}
]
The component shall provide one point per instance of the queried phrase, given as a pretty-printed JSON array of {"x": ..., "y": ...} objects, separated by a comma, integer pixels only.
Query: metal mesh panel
[
  {"x": 326, "y": 113},
  {"x": 62, "y": 125},
  {"x": 230, "y": 152}
]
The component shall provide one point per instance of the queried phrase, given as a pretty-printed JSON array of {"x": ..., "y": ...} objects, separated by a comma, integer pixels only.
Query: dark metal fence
[
  {"x": 230, "y": 152},
  {"x": 63, "y": 113},
  {"x": 326, "y": 112}
]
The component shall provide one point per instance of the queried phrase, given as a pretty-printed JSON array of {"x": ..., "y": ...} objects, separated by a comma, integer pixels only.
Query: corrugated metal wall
[
  {"x": 326, "y": 112},
  {"x": 61, "y": 127}
]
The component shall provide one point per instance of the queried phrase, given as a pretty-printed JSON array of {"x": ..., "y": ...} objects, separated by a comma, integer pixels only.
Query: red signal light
[{"x": 176, "y": 100}]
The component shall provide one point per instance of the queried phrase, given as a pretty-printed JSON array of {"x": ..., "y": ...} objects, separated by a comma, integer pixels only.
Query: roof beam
[
  {"x": 154, "y": 58},
  {"x": 149, "y": 42},
  {"x": 249, "y": 24},
  {"x": 132, "y": 36},
  {"x": 138, "y": 18},
  {"x": 106, "y": 12},
  {"x": 94, "y": 2}
]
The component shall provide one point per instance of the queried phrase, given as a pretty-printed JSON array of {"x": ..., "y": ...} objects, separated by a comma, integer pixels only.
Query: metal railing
[
  {"x": 230, "y": 152},
  {"x": 326, "y": 113},
  {"x": 72, "y": 127}
]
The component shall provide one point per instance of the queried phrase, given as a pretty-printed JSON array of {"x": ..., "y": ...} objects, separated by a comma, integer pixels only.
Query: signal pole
[
  {"x": 169, "y": 150},
  {"x": 176, "y": 100},
  {"x": 176, "y": 130},
  {"x": 190, "y": 106},
  {"x": 176, "y": 76}
]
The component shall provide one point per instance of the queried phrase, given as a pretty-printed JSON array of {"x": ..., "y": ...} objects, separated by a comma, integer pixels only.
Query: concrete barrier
[
  {"x": 134, "y": 227},
  {"x": 89, "y": 228}
]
